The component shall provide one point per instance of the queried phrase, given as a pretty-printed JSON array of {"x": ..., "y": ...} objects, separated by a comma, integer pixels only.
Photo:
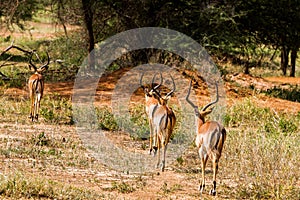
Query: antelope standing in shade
[
  {"x": 210, "y": 139},
  {"x": 36, "y": 87},
  {"x": 164, "y": 121},
  {"x": 150, "y": 106}
]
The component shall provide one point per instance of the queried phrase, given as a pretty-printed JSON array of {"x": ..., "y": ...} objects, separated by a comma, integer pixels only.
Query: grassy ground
[{"x": 47, "y": 160}]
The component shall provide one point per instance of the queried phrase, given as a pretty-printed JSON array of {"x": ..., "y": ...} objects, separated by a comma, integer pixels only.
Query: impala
[
  {"x": 150, "y": 106},
  {"x": 36, "y": 87},
  {"x": 164, "y": 121},
  {"x": 210, "y": 139}
]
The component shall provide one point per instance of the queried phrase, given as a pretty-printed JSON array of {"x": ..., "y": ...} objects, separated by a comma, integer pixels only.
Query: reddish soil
[
  {"x": 171, "y": 184},
  {"x": 237, "y": 88},
  {"x": 284, "y": 80},
  {"x": 168, "y": 185}
]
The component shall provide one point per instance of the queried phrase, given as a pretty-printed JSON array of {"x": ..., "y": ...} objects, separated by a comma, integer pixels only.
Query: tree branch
[{"x": 12, "y": 46}]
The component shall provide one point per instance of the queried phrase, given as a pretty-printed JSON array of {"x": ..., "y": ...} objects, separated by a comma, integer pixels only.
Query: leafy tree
[
  {"x": 274, "y": 23},
  {"x": 17, "y": 11},
  {"x": 232, "y": 28}
]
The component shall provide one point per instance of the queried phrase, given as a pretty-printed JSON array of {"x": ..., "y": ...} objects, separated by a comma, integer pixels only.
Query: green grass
[
  {"x": 18, "y": 185},
  {"x": 106, "y": 120},
  {"x": 59, "y": 151},
  {"x": 54, "y": 109},
  {"x": 122, "y": 187}
]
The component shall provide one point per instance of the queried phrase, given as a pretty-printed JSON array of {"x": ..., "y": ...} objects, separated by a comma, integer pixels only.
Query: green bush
[
  {"x": 56, "y": 109},
  {"x": 287, "y": 126},
  {"x": 139, "y": 119},
  {"x": 69, "y": 49},
  {"x": 122, "y": 187},
  {"x": 106, "y": 120},
  {"x": 291, "y": 94}
]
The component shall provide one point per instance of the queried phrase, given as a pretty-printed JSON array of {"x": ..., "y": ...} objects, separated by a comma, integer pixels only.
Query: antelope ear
[{"x": 206, "y": 112}]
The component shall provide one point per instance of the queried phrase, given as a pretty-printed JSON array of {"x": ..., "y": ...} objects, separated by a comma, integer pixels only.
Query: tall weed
[{"x": 263, "y": 151}]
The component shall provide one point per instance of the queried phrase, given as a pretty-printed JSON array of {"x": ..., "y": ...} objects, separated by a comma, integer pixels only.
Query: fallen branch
[
  {"x": 12, "y": 46},
  {"x": 4, "y": 77},
  {"x": 5, "y": 62}
]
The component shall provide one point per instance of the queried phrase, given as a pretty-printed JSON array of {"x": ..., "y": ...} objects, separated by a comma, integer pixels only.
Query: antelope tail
[{"x": 217, "y": 148}]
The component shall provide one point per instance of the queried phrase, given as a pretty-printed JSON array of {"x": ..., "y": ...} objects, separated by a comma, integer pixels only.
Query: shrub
[
  {"x": 106, "y": 120},
  {"x": 292, "y": 93}
]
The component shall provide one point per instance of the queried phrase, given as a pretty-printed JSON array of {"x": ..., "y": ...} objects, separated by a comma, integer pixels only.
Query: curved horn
[
  {"x": 174, "y": 88},
  {"x": 48, "y": 60},
  {"x": 213, "y": 102},
  {"x": 141, "y": 81},
  {"x": 190, "y": 102},
  {"x": 30, "y": 61},
  {"x": 157, "y": 86}
]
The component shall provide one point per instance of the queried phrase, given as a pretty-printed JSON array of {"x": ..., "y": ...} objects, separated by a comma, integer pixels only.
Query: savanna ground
[{"x": 47, "y": 159}]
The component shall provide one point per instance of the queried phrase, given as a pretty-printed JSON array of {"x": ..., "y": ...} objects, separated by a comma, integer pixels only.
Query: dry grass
[
  {"x": 47, "y": 160},
  {"x": 262, "y": 153}
]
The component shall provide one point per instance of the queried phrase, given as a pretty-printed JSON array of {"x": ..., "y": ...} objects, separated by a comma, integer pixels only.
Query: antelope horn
[
  {"x": 30, "y": 61},
  {"x": 153, "y": 79},
  {"x": 213, "y": 102},
  {"x": 141, "y": 81},
  {"x": 48, "y": 60},
  {"x": 156, "y": 87},
  {"x": 174, "y": 88},
  {"x": 190, "y": 102}
]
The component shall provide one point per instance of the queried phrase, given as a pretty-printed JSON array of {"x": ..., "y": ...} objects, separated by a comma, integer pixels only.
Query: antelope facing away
[
  {"x": 150, "y": 105},
  {"x": 210, "y": 139},
  {"x": 36, "y": 87},
  {"x": 164, "y": 120}
]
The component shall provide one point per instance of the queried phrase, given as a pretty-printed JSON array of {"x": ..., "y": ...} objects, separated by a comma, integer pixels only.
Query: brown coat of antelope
[
  {"x": 36, "y": 87},
  {"x": 151, "y": 104},
  {"x": 210, "y": 139},
  {"x": 164, "y": 122}
]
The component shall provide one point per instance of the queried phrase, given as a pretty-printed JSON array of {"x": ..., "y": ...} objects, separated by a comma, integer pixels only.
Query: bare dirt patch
[{"x": 284, "y": 80}]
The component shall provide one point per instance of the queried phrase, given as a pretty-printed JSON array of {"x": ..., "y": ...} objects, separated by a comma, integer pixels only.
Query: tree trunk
[
  {"x": 88, "y": 20},
  {"x": 61, "y": 8},
  {"x": 247, "y": 66},
  {"x": 293, "y": 62},
  {"x": 284, "y": 59}
]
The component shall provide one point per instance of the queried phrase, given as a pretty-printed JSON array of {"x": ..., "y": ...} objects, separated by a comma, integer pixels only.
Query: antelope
[
  {"x": 36, "y": 87},
  {"x": 210, "y": 138},
  {"x": 164, "y": 121},
  {"x": 150, "y": 106}
]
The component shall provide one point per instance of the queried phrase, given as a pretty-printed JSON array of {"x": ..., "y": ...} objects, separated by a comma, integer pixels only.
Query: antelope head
[
  {"x": 163, "y": 100},
  {"x": 149, "y": 91},
  {"x": 207, "y": 109},
  {"x": 42, "y": 68}
]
